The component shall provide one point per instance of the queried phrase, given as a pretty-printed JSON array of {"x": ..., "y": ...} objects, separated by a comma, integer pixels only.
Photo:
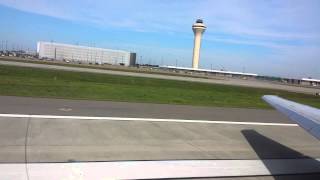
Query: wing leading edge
[{"x": 306, "y": 116}]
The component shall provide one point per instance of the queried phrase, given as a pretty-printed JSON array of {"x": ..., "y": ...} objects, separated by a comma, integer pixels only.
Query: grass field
[{"x": 20, "y": 81}]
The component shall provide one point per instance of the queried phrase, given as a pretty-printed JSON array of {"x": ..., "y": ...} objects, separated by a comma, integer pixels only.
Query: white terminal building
[{"x": 84, "y": 54}]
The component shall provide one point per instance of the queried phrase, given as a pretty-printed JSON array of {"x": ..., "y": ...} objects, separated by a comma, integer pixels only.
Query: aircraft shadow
[{"x": 267, "y": 148}]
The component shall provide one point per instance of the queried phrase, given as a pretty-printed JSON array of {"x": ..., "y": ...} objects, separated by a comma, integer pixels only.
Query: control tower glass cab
[{"x": 198, "y": 26}]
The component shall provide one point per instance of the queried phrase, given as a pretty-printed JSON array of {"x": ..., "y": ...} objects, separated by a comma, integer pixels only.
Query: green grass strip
[{"x": 22, "y": 81}]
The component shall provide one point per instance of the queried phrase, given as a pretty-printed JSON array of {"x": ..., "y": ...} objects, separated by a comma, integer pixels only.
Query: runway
[
  {"x": 76, "y": 140},
  {"x": 60, "y": 139},
  {"x": 230, "y": 81},
  {"x": 62, "y": 107}
]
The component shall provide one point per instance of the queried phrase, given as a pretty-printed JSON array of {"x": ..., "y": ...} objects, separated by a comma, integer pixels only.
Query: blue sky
[{"x": 279, "y": 38}]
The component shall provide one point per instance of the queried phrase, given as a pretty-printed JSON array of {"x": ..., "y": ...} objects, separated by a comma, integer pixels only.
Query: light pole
[{"x": 161, "y": 60}]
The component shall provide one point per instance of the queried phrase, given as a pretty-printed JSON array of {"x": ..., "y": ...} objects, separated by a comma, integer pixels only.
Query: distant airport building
[
  {"x": 84, "y": 54},
  {"x": 209, "y": 72},
  {"x": 293, "y": 81},
  {"x": 310, "y": 81}
]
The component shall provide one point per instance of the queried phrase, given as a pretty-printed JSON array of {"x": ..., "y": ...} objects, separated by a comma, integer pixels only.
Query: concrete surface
[
  {"x": 171, "y": 169},
  {"x": 12, "y": 139},
  {"x": 158, "y": 169},
  {"x": 239, "y": 82},
  {"x": 315, "y": 176},
  {"x": 68, "y": 140}
]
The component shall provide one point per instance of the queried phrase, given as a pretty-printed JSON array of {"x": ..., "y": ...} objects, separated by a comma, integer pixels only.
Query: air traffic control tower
[{"x": 198, "y": 29}]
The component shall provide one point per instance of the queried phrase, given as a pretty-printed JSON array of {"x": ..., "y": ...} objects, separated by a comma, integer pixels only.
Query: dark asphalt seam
[
  {"x": 160, "y": 160},
  {"x": 25, "y": 148},
  {"x": 190, "y": 143}
]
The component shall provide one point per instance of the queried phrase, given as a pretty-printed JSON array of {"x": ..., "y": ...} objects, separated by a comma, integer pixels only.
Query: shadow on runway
[{"x": 267, "y": 148}]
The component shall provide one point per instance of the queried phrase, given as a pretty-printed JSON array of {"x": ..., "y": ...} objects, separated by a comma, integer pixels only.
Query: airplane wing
[{"x": 306, "y": 116}]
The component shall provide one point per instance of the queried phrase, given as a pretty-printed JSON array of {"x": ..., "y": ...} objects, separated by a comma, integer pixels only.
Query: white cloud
[{"x": 261, "y": 18}]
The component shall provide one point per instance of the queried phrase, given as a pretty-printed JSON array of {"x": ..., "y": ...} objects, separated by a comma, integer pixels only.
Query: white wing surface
[{"x": 306, "y": 116}]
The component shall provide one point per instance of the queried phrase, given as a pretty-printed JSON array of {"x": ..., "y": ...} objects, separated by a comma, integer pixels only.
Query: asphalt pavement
[{"x": 29, "y": 105}]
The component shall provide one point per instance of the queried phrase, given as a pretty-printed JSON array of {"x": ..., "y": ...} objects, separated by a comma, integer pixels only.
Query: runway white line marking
[
  {"x": 144, "y": 119},
  {"x": 164, "y": 169}
]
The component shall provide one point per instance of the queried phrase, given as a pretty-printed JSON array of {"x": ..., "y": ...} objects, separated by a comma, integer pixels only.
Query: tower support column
[{"x": 198, "y": 29}]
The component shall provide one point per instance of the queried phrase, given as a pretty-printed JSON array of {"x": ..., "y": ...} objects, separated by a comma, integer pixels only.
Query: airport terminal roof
[
  {"x": 208, "y": 70},
  {"x": 82, "y": 47},
  {"x": 310, "y": 79}
]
